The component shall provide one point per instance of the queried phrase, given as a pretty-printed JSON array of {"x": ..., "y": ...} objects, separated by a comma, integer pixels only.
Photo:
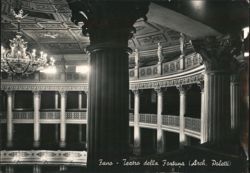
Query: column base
[
  {"x": 160, "y": 150},
  {"x": 137, "y": 151},
  {"x": 36, "y": 144},
  {"x": 62, "y": 144},
  {"x": 9, "y": 144}
]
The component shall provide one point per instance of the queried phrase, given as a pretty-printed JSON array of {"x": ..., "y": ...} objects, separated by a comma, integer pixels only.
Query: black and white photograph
[{"x": 124, "y": 86}]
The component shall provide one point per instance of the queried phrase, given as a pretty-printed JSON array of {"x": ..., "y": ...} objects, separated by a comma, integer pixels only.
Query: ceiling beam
[{"x": 179, "y": 22}]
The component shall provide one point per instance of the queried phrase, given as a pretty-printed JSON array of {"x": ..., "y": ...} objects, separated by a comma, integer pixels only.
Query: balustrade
[
  {"x": 148, "y": 118},
  {"x": 149, "y": 71},
  {"x": 42, "y": 157},
  {"x": 131, "y": 117},
  {"x": 76, "y": 115},
  {"x": 193, "y": 124},
  {"x": 23, "y": 115},
  {"x": 50, "y": 115},
  {"x": 171, "y": 120}
]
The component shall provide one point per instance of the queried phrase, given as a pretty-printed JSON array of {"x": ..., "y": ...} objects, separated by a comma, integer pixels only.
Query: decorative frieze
[
  {"x": 167, "y": 83},
  {"x": 10, "y": 86}
]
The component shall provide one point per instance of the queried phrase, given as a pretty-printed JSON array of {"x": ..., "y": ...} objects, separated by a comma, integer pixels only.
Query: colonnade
[
  {"x": 160, "y": 133},
  {"x": 36, "y": 124}
]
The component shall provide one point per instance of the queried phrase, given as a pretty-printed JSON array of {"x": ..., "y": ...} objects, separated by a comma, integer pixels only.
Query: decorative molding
[
  {"x": 167, "y": 82},
  {"x": 43, "y": 157},
  {"x": 13, "y": 86}
]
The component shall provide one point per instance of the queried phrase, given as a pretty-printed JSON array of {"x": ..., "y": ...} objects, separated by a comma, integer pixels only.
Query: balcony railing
[
  {"x": 190, "y": 61},
  {"x": 193, "y": 124},
  {"x": 150, "y": 71},
  {"x": 23, "y": 115},
  {"x": 53, "y": 115},
  {"x": 171, "y": 120},
  {"x": 131, "y": 117},
  {"x": 41, "y": 157},
  {"x": 148, "y": 118},
  {"x": 76, "y": 115}
]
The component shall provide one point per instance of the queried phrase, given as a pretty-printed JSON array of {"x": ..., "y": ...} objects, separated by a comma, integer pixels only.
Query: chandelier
[{"x": 17, "y": 60}]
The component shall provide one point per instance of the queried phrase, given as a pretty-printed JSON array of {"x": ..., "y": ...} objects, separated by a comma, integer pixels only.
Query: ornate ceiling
[{"x": 48, "y": 26}]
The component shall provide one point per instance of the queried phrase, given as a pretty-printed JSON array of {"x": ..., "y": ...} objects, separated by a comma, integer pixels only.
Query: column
[
  {"x": 80, "y": 100},
  {"x": 235, "y": 102},
  {"x": 218, "y": 56},
  {"x": 160, "y": 132},
  {"x": 108, "y": 120},
  {"x": 56, "y": 100},
  {"x": 9, "y": 119},
  {"x": 136, "y": 63},
  {"x": 160, "y": 58},
  {"x": 62, "y": 119},
  {"x": 182, "y": 137},
  {"x": 62, "y": 168},
  {"x": 36, "y": 103},
  {"x": 80, "y": 133},
  {"x": 56, "y": 125},
  {"x": 87, "y": 115},
  {"x": 137, "y": 130},
  {"x": 36, "y": 169},
  {"x": 9, "y": 169},
  {"x": 204, "y": 129}
]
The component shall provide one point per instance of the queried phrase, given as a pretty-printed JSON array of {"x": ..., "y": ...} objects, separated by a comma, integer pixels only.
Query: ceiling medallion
[{"x": 17, "y": 60}]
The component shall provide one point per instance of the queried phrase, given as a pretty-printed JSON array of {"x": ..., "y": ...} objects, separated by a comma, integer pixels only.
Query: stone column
[
  {"x": 87, "y": 115},
  {"x": 160, "y": 132},
  {"x": 56, "y": 125},
  {"x": 218, "y": 56},
  {"x": 80, "y": 133},
  {"x": 160, "y": 58},
  {"x": 80, "y": 100},
  {"x": 36, "y": 169},
  {"x": 62, "y": 168},
  {"x": 182, "y": 136},
  {"x": 9, "y": 169},
  {"x": 136, "y": 63},
  {"x": 137, "y": 130},
  {"x": 63, "y": 95},
  {"x": 56, "y": 100},
  {"x": 109, "y": 26},
  {"x": 36, "y": 103},
  {"x": 9, "y": 119},
  {"x": 204, "y": 129},
  {"x": 235, "y": 102}
]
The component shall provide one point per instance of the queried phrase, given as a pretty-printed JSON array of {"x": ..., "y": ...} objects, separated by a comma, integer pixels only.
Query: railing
[
  {"x": 148, "y": 118},
  {"x": 76, "y": 115},
  {"x": 192, "y": 60},
  {"x": 44, "y": 157},
  {"x": 50, "y": 115},
  {"x": 150, "y": 71},
  {"x": 131, "y": 117},
  {"x": 193, "y": 124},
  {"x": 171, "y": 120},
  {"x": 23, "y": 115},
  {"x": 176, "y": 66}
]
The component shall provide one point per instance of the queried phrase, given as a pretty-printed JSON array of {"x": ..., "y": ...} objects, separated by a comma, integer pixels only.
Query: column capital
[
  {"x": 136, "y": 91},
  {"x": 104, "y": 20},
  {"x": 62, "y": 92},
  {"x": 183, "y": 88},
  {"x": 9, "y": 92},
  {"x": 201, "y": 85},
  {"x": 36, "y": 92},
  {"x": 218, "y": 52},
  {"x": 159, "y": 90}
]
